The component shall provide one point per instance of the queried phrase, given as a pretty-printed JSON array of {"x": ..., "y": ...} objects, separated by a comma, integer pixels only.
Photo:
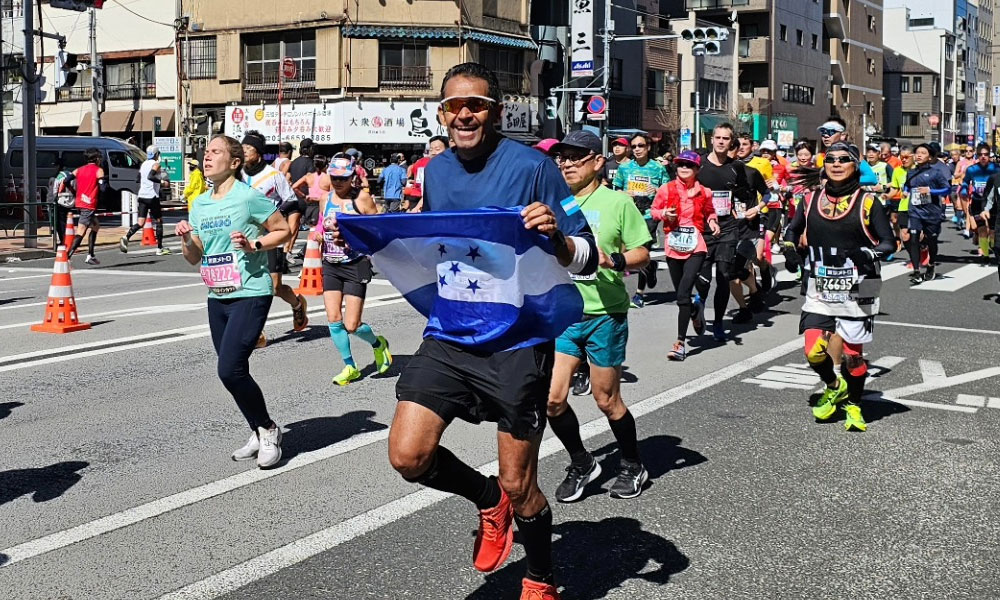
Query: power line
[{"x": 143, "y": 17}]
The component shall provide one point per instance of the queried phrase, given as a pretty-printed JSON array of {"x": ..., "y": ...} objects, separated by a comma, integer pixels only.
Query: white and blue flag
[{"x": 481, "y": 279}]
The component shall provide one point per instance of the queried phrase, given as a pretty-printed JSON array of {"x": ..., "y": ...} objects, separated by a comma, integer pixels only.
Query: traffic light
[
  {"x": 705, "y": 40},
  {"x": 551, "y": 108},
  {"x": 66, "y": 73},
  {"x": 551, "y": 127},
  {"x": 578, "y": 110}
]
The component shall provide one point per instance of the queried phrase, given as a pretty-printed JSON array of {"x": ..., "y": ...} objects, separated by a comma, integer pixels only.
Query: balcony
[
  {"x": 838, "y": 63},
  {"x": 835, "y": 18},
  {"x": 263, "y": 87},
  {"x": 130, "y": 91},
  {"x": 396, "y": 77},
  {"x": 754, "y": 102},
  {"x": 755, "y": 50},
  {"x": 513, "y": 83},
  {"x": 74, "y": 94},
  {"x": 913, "y": 131},
  {"x": 714, "y": 4}
]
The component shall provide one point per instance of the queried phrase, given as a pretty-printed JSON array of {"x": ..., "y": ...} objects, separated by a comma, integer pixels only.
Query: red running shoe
[
  {"x": 536, "y": 590},
  {"x": 496, "y": 535}
]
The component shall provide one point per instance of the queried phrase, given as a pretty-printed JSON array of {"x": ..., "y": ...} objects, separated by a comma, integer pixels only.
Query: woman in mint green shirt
[{"x": 231, "y": 227}]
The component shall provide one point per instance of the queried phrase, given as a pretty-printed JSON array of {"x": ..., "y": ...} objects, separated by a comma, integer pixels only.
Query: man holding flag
[{"x": 490, "y": 273}]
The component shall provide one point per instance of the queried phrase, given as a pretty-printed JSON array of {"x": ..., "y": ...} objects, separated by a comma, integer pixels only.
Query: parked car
[{"x": 121, "y": 162}]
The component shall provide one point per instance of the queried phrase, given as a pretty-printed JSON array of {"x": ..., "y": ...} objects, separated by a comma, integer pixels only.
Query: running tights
[
  {"x": 159, "y": 232},
  {"x": 91, "y": 243},
  {"x": 720, "y": 300},
  {"x": 914, "y": 248},
  {"x": 236, "y": 325},
  {"x": 684, "y": 275}
]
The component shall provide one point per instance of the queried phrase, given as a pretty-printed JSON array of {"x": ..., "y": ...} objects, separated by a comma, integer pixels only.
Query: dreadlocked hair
[{"x": 808, "y": 177}]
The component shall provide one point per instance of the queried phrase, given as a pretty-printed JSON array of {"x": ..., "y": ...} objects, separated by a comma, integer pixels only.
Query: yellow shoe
[
  {"x": 854, "y": 418},
  {"x": 827, "y": 405},
  {"x": 348, "y": 375}
]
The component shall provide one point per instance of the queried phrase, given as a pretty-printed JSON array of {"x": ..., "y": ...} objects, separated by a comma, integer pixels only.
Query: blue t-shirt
[
  {"x": 513, "y": 175},
  {"x": 393, "y": 180}
]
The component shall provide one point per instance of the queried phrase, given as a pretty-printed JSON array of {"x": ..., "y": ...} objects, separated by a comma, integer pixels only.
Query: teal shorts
[{"x": 603, "y": 338}]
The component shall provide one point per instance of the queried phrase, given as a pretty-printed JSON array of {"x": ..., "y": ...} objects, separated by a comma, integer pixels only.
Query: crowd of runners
[{"x": 722, "y": 215}]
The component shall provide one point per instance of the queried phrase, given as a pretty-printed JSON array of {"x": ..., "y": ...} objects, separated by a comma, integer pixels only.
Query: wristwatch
[
  {"x": 257, "y": 246},
  {"x": 618, "y": 261}
]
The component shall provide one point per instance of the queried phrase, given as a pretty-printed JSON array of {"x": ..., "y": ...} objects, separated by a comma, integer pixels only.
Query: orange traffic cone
[
  {"x": 70, "y": 234},
  {"x": 60, "y": 310},
  {"x": 148, "y": 234},
  {"x": 311, "y": 278}
]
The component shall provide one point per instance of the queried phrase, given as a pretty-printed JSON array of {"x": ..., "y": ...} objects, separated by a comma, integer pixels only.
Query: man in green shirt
[
  {"x": 622, "y": 240},
  {"x": 898, "y": 204}
]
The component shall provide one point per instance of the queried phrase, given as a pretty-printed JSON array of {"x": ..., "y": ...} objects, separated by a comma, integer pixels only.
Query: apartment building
[
  {"x": 911, "y": 99},
  {"x": 11, "y": 54},
  {"x": 365, "y": 73},
  {"x": 853, "y": 38},
  {"x": 661, "y": 100}
]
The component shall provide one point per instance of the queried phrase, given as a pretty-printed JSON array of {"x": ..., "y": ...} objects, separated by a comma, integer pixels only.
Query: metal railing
[
  {"x": 130, "y": 91},
  {"x": 397, "y": 77},
  {"x": 510, "y": 82},
  {"x": 74, "y": 94},
  {"x": 26, "y": 221},
  {"x": 264, "y": 86}
]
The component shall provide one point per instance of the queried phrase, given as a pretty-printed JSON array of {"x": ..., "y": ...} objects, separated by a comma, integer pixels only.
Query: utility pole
[
  {"x": 96, "y": 78},
  {"x": 605, "y": 125},
  {"x": 30, "y": 90}
]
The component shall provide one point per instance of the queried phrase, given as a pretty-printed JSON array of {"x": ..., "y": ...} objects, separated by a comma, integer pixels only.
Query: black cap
[
  {"x": 305, "y": 143},
  {"x": 580, "y": 139},
  {"x": 935, "y": 148}
]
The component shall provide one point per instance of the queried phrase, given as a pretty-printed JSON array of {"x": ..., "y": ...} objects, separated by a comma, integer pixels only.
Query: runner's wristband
[{"x": 618, "y": 260}]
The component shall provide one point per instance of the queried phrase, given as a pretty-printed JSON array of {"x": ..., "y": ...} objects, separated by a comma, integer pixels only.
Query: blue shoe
[
  {"x": 891, "y": 257},
  {"x": 637, "y": 301},
  {"x": 719, "y": 331},
  {"x": 954, "y": 219},
  {"x": 698, "y": 315}
]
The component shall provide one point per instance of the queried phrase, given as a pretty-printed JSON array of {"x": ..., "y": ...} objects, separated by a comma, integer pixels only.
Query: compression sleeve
[
  {"x": 868, "y": 176},
  {"x": 797, "y": 227},
  {"x": 882, "y": 228}
]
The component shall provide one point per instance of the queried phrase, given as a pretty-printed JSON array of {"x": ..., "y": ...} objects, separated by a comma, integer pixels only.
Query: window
[
  {"x": 130, "y": 80},
  {"x": 655, "y": 96},
  {"x": 783, "y": 33},
  {"x": 123, "y": 160},
  {"x": 815, "y": 42},
  {"x": 43, "y": 159},
  {"x": 262, "y": 54},
  {"x": 799, "y": 37},
  {"x": 507, "y": 63},
  {"x": 200, "y": 58},
  {"x": 73, "y": 160},
  {"x": 871, "y": 22},
  {"x": 404, "y": 65},
  {"x": 923, "y": 22},
  {"x": 616, "y": 74},
  {"x": 799, "y": 94},
  {"x": 910, "y": 119},
  {"x": 714, "y": 95},
  {"x": 918, "y": 85},
  {"x": 869, "y": 108},
  {"x": 871, "y": 66},
  {"x": 904, "y": 85}
]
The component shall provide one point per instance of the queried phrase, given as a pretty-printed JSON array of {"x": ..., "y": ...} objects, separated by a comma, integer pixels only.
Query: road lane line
[
  {"x": 50, "y": 356},
  {"x": 937, "y": 327},
  {"x": 100, "y": 271},
  {"x": 369, "y": 521},
  {"x": 127, "y": 312},
  {"x": 952, "y": 281},
  {"x": 114, "y": 295}
]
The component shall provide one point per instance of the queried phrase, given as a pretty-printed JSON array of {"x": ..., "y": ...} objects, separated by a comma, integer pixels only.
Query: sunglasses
[
  {"x": 839, "y": 160},
  {"x": 475, "y": 104},
  {"x": 683, "y": 164},
  {"x": 573, "y": 160},
  {"x": 986, "y": 154},
  {"x": 828, "y": 132},
  {"x": 638, "y": 145}
]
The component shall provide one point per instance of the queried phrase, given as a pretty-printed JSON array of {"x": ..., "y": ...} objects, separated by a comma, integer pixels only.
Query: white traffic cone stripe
[
  {"x": 61, "y": 267},
  {"x": 60, "y": 291},
  {"x": 312, "y": 263}
]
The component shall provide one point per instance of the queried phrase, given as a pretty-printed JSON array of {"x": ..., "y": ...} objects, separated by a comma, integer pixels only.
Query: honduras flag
[{"x": 482, "y": 280}]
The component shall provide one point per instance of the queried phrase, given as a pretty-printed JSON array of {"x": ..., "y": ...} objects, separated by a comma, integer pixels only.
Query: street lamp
[{"x": 696, "y": 134}]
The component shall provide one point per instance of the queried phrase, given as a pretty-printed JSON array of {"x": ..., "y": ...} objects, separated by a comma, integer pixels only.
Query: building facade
[
  {"x": 368, "y": 77},
  {"x": 910, "y": 99},
  {"x": 853, "y": 37}
]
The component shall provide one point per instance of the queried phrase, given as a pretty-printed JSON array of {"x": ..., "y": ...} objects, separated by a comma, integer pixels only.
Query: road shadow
[
  {"x": 319, "y": 432},
  {"x": 44, "y": 483},
  {"x": 127, "y": 263},
  {"x": 660, "y": 455},
  {"x": 594, "y": 558},
  {"x": 309, "y": 334},
  {"x": 399, "y": 362},
  {"x": 874, "y": 407},
  {"x": 8, "y": 407},
  {"x": 12, "y": 300},
  {"x": 993, "y": 297}
]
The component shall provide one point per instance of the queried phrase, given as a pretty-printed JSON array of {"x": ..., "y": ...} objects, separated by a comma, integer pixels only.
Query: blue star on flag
[
  {"x": 441, "y": 281},
  {"x": 441, "y": 249},
  {"x": 473, "y": 285},
  {"x": 454, "y": 268},
  {"x": 473, "y": 253}
]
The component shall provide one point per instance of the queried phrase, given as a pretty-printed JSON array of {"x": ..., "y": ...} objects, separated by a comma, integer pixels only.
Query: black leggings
[
  {"x": 723, "y": 272},
  {"x": 931, "y": 241},
  {"x": 647, "y": 275},
  {"x": 236, "y": 325},
  {"x": 684, "y": 275}
]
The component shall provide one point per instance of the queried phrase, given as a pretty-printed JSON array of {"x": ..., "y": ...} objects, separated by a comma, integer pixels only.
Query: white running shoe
[
  {"x": 91, "y": 260},
  {"x": 249, "y": 451},
  {"x": 270, "y": 447}
]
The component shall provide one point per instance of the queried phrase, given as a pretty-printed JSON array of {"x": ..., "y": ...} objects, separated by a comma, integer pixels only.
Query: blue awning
[{"x": 437, "y": 33}]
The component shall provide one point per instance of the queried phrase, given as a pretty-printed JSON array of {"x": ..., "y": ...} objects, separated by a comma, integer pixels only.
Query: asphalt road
[{"x": 116, "y": 482}]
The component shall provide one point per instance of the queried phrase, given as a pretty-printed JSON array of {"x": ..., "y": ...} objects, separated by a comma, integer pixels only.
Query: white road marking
[
  {"x": 935, "y": 379},
  {"x": 970, "y": 400},
  {"x": 114, "y": 295},
  {"x": 921, "y": 404},
  {"x": 345, "y": 531},
  {"x": 993, "y": 403},
  {"x": 931, "y": 370},
  {"x": 99, "y": 271},
  {"x": 127, "y": 312},
  {"x": 952, "y": 281},
  {"x": 42, "y": 357},
  {"x": 938, "y": 327}
]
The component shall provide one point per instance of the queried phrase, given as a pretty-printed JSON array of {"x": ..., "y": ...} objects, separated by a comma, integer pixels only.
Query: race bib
[
  {"x": 723, "y": 203},
  {"x": 591, "y": 277},
  {"x": 918, "y": 198},
  {"x": 683, "y": 239},
  {"x": 331, "y": 251},
  {"x": 639, "y": 185},
  {"x": 978, "y": 187},
  {"x": 221, "y": 273},
  {"x": 834, "y": 284}
]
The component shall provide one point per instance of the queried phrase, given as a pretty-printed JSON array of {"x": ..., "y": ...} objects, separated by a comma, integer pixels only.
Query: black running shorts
[
  {"x": 293, "y": 206},
  {"x": 151, "y": 207},
  {"x": 509, "y": 388},
  {"x": 277, "y": 262},
  {"x": 351, "y": 278}
]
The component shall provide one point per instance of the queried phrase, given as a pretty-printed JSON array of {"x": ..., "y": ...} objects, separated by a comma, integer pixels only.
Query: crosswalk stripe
[{"x": 955, "y": 280}]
